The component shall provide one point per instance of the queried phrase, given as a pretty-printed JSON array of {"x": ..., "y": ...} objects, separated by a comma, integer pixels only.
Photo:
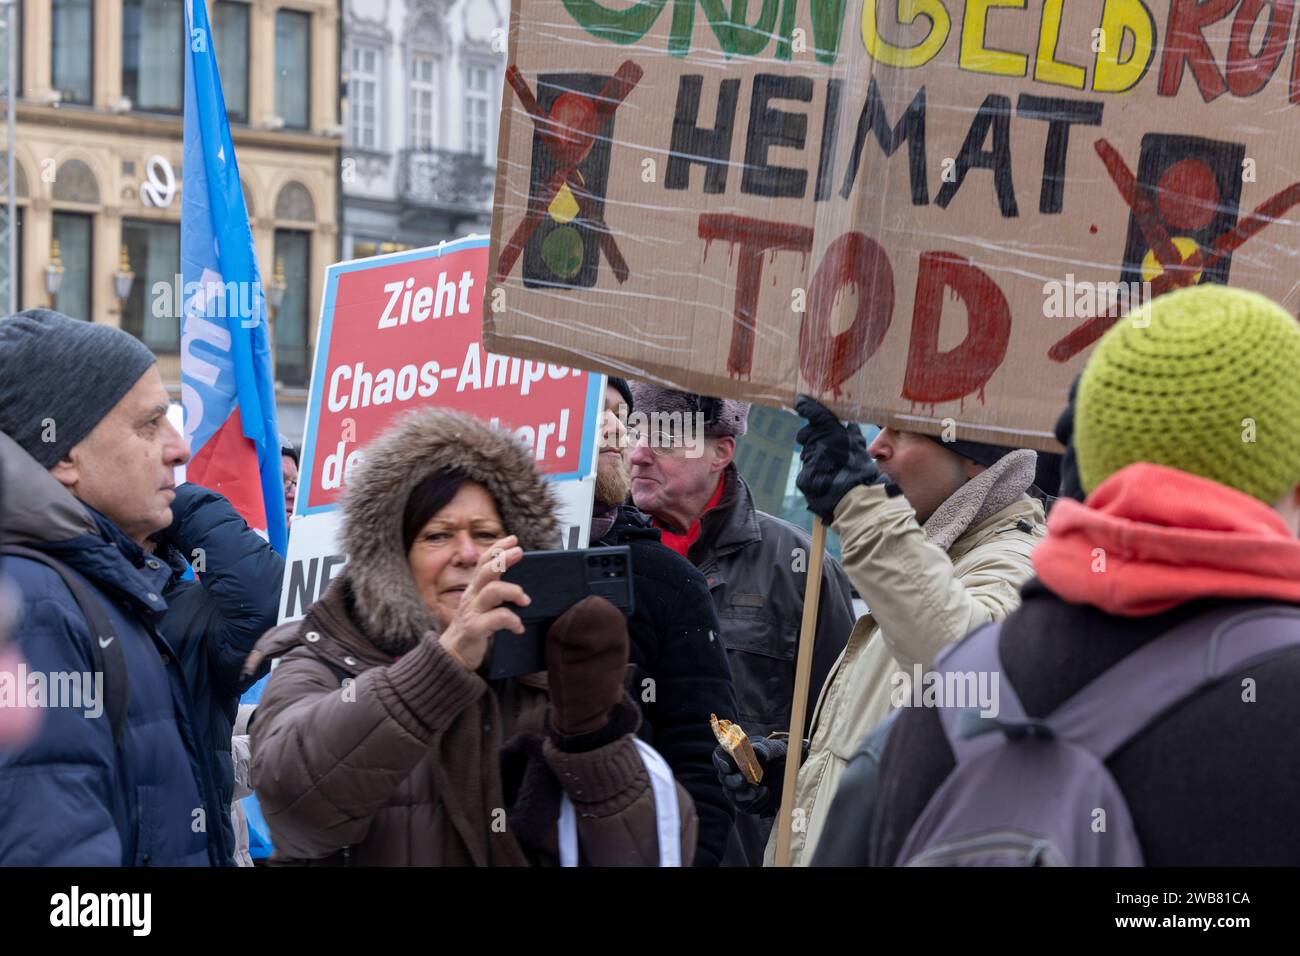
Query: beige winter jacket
[{"x": 926, "y": 588}]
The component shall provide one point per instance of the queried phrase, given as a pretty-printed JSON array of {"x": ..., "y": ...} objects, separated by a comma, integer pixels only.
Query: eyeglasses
[{"x": 660, "y": 443}]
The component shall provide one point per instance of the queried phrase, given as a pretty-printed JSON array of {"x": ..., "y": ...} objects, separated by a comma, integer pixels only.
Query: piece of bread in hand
[{"x": 737, "y": 744}]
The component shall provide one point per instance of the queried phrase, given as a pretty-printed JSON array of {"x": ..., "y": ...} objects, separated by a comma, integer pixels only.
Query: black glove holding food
[
  {"x": 761, "y": 798},
  {"x": 835, "y": 458}
]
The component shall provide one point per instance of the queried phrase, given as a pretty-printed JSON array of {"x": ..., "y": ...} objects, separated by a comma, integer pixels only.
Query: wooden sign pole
[{"x": 802, "y": 678}]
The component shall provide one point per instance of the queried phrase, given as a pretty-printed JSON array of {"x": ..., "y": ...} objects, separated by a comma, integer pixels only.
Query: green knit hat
[{"x": 1205, "y": 380}]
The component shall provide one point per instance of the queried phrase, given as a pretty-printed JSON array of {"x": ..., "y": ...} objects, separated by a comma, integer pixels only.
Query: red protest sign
[{"x": 405, "y": 331}]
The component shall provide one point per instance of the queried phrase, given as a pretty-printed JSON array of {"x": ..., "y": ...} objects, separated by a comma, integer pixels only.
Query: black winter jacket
[
  {"x": 1208, "y": 784},
  {"x": 675, "y": 644},
  {"x": 754, "y": 563},
  {"x": 213, "y": 622}
]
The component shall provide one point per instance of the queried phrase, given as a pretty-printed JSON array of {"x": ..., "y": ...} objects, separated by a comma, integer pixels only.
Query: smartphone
[{"x": 555, "y": 581}]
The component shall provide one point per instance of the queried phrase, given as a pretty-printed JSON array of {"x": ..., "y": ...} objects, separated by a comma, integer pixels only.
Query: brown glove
[{"x": 586, "y": 660}]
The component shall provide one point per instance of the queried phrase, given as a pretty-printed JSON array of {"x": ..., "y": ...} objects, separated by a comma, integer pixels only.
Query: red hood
[{"x": 1166, "y": 537}]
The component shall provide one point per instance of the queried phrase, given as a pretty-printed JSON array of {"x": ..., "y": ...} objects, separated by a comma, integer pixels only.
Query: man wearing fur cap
[
  {"x": 683, "y": 476},
  {"x": 677, "y": 669}
]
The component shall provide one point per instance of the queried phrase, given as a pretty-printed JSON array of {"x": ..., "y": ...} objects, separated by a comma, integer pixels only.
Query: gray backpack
[{"x": 1031, "y": 792}]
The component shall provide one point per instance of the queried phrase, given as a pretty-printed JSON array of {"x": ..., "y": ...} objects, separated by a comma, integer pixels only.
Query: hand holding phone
[
  {"x": 480, "y": 615},
  {"x": 557, "y": 580}
]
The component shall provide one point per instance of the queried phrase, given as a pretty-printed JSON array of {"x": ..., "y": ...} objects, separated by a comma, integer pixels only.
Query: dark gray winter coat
[{"x": 753, "y": 564}]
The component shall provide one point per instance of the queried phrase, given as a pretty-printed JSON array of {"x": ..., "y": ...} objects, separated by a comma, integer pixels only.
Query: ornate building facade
[
  {"x": 423, "y": 81},
  {"x": 98, "y": 161}
]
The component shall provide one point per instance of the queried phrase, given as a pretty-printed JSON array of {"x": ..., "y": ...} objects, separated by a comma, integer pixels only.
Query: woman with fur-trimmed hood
[{"x": 379, "y": 742}]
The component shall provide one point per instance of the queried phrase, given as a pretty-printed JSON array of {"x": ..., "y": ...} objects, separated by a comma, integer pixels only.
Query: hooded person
[
  {"x": 378, "y": 740},
  {"x": 678, "y": 668},
  {"x": 118, "y": 774},
  {"x": 936, "y": 537},
  {"x": 1181, "y": 433}
]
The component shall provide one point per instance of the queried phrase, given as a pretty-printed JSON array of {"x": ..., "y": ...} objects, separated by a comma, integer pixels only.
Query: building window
[
  {"x": 423, "y": 70},
  {"x": 72, "y": 231},
  {"x": 230, "y": 37},
  {"x": 293, "y": 68},
  {"x": 155, "y": 252},
  {"x": 365, "y": 248},
  {"x": 71, "y": 50},
  {"x": 292, "y": 253},
  {"x": 363, "y": 97},
  {"x": 478, "y": 109},
  {"x": 153, "y": 54}
]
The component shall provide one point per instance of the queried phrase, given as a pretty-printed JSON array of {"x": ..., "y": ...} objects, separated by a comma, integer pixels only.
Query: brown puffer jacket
[{"x": 372, "y": 746}]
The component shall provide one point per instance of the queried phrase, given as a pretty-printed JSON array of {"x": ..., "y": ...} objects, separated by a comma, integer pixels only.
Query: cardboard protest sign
[
  {"x": 403, "y": 331},
  {"x": 924, "y": 213}
]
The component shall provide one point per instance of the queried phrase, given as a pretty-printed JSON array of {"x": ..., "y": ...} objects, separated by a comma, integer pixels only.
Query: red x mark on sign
[
  {"x": 1177, "y": 272},
  {"x": 568, "y": 133}
]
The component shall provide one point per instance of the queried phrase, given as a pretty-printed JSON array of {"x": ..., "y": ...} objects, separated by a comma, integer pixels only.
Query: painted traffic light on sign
[
  {"x": 564, "y": 249},
  {"x": 563, "y": 229},
  {"x": 1194, "y": 187}
]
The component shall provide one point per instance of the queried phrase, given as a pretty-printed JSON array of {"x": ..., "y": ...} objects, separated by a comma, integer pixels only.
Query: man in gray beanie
[
  {"x": 115, "y": 776},
  {"x": 755, "y": 565},
  {"x": 59, "y": 377}
]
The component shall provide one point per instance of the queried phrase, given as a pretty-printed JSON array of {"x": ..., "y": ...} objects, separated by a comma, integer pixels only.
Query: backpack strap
[
  {"x": 1120, "y": 703},
  {"x": 967, "y": 732},
  {"x": 104, "y": 645}
]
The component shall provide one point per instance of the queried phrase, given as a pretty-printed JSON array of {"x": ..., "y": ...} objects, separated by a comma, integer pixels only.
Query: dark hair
[
  {"x": 287, "y": 450},
  {"x": 707, "y": 406},
  {"x": 620, "y": 385},
  {"x": 428, "y": 498}
]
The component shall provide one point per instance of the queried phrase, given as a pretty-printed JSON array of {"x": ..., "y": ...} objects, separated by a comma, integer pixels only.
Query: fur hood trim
[{"x": 419, "y": 444}]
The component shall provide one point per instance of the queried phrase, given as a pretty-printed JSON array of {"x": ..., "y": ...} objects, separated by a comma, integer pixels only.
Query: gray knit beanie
[
  {"x": 59, "y": 371},
  {"x": 722, "y": 416}
]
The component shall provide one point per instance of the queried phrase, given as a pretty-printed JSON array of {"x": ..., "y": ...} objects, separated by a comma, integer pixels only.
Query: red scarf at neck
[{"x": 681, "y": 543}]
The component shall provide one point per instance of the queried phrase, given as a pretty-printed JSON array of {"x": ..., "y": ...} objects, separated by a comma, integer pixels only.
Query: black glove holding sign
[{"x": 835, "y": 459}]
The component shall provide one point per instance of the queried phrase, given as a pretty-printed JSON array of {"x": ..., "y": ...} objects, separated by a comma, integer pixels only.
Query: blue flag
[{"x": 227, "y": 385}]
